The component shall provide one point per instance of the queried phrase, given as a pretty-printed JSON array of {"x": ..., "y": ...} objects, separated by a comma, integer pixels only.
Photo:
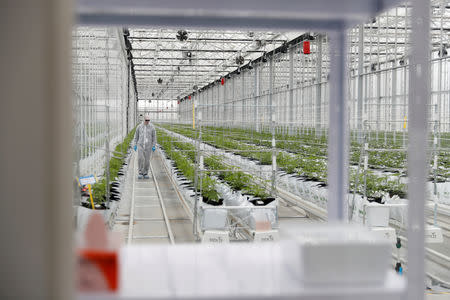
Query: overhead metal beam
[
  {"x": 209, "y": 40},
  {"x": 197, "y": 50},
  {"x": 180, "y": 58},
  {"x": 182, "y": 66},
  {"x": 282, "y": 14}
]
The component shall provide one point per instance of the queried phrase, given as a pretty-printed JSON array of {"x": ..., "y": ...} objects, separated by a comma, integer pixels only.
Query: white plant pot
[{"x": 377, "y": 215}]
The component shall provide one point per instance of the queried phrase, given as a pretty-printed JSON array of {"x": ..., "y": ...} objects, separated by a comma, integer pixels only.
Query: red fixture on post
[
  {"x": 222, "y": 81},
  {"x": 189, "y": 97},
  {"x": 306, "y": 47}
]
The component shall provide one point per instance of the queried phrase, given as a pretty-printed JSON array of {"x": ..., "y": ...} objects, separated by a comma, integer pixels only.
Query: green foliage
[
  {"x": 376, "y": 185},
  {"x": 236, "y": 179},
  {"x": 184, "y": 163},
  {"x": 209, "y": 189},
  {"x": 309, "y": 158},
  {"x": 257, "y": 190},
  {"x": 115, "y": 163}
]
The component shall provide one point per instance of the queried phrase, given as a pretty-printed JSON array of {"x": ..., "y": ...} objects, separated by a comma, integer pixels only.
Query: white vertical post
[
  {"x": 36, "y": 154},
  {"x": 394, "y": 102},
  {"x": 359, "y": 118},
  {"x": 244, "y": 101},
  {"x": 231, "y": 103},
  {"x": 419, "y": 95},
  {"x": 291, "y": 89},
  {"x": 257, "y": 93},
  {"x": 338, "y": 128},
  {"x": 318, "y": 111}
]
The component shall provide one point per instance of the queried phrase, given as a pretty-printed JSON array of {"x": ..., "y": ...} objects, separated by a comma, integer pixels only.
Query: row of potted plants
[
  {"x": 393, "y": 157},
  {"x": 236, "y": 179},
  {"x": 307, "y": 166},
  {"x": 116, "y": 162},
  {"x": 186, "y": 167}
]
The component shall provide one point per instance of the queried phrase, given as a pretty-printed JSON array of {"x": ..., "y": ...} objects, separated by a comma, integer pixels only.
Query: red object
[
  {"x": 222, "y": 81},
  {"x": 189, "y": 97},
  {"x": 306, "y": 47},
  {"x": 178, "y": 102},
  {"x": 107, "y": 262}
]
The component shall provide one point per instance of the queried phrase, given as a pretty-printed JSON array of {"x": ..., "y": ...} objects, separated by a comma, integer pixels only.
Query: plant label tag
[
  {"x": 265, "y": 236},
  {"x": 433, "y": 235},
  {"x": 387, "y": 233},
  {"x": 87, "y": 180},
  {"x": 215, "y": 237}
]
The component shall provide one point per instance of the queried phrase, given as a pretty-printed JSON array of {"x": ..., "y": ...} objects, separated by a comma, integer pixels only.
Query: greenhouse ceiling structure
[{"x": 171, "y": 64}]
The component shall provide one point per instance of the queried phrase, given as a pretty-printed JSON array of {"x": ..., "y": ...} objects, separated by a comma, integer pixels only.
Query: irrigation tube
[{"x": 163, "y": 208}]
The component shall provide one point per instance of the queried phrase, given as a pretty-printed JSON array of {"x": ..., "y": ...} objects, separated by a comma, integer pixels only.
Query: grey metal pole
[
  {"x": 394, "y": 101},
  {"x": 208, "y": 108},
  {"x": 319, "y": 86},
  {"x": 360, "y": 83},
  {"x": 419, "y": 95},
  {"x": 218, "y": 104},
  {"x": 272, "y": 123},
  {"x": 224, "y": 102},
  {"x": 338, "y": 128},
  {"x": 257, "y": 93},
  {"x": 378, "y": 115},
  {"x": 107, "y": 102},
  {"x": 291, "y": 89},
  {"x": 244, "y": 103},
  {"x": 231, "y": 109},
  {"x": 107, "y": 154}
]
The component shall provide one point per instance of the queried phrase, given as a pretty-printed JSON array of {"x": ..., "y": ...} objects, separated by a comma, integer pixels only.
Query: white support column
[
  {"x": 257, "y": 100},
  {"x": 244, "y": 101},
  {"x": 359, "y": 115},
  {"x": 291, "y": 90},
  {"x": 36, "y": 154},
  {"x": 232, "y": 104},
  {"x": 224, "y": 115},
  {"x": 319, "y": 87},
  {"x": 218, "y": 104},
  {"x": 338, "y": 129},
  {"x": 419, "y": 98},
  {"x": 394, "y": 102},
  {"x": 271, "y": 110}
]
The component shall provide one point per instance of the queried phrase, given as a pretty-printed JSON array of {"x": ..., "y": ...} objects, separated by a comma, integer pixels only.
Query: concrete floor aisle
[{"x": 141, "y": 204}]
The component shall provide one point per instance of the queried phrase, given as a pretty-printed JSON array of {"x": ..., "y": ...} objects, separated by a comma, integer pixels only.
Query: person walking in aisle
[{"x": 145, "y": 144}]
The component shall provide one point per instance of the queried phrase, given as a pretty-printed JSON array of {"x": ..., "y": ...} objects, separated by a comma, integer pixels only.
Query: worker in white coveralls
[{"x": 145, "y": 143}]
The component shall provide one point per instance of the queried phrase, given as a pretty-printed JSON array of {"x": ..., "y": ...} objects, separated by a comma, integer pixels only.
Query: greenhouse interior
[{"x": 213, "y": 150}]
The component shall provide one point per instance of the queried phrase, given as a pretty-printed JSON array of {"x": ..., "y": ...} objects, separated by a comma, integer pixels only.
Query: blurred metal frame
[{"x": 321, "y": 15}]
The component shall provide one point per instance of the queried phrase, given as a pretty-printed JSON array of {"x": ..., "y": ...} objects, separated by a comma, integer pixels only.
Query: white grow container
[
  {"x": 342, "y": 255},
  {"x": 377, "y": 215}
]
